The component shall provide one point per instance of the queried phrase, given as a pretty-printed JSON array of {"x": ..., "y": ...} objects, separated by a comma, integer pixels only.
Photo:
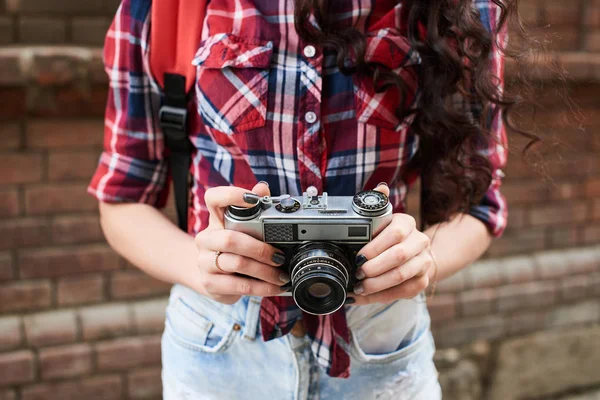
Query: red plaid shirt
[{"x": 272, "y": 107}]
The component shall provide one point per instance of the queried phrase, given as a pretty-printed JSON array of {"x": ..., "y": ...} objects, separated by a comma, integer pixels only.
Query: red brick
[
  {"x": 66, "y": 361},
  {"x": 526, "y": 296},
  {"x": 574, "y": 287},
  {"x": 520, "y": 241},
  {"x": 563, "y": 237},
  {"x": 442, "y": 307},
  {"x": 485, "y": 273},
  {"x": 591, "y": 234},
  {"x": 90, "y": 31},
  {"x": 558, "y": 214},
  {"x": 6, "y": 37},
  {"x": 135, "y": 284},
  {"x": 10, "y": 333},
  {"x": 76, "y": 229},
  {"x": 593, "y": 188},
  {"x": 59, "y": 7},
  {"x": 596, "y": 210},
  {"x": 526, "y": 322},
  {"x": 13, "y": 100},
  {"x": 69, "y": 101},
  {"x": 529, "y": 192},
  {"x": 105, "y": 321},
  {"x": 58, "y": 198},
  {"x": 64, "y": 134},
  {"x": 459, "y": 332},
  {"x": 17, "y": 368},
  {"x": 516, "y": 217},
  {"x": 126, "y": 353},
  {"x": 149, "y": 316},
  {"x": 10, "y": 134},
  {"x": 9, "y": 203},
  {"x": 103, "y": 387},
  {"x": 592, "y": 41},
  {"x": 557, "y": 13},
  {"x": 26, "y": 232},
  {"x": 20, "y": 168},
  {"x": 145, "y": 384},
  {"x": 6, "y": 267},
  {"x": 477, "y": 302},
  {"x": 552, "y": 264},
  {"x": 42, "y": 30},
  {"x": 69, "y": 165},
  {"x": 80, "y": 290},
  {"x": 518, "y": 269},
  {"x": 50, "y": 328},
  {"x": 22, "y": 296},
  {"x": 52, "y": 262},
  {"x": 8, "y": 395}
]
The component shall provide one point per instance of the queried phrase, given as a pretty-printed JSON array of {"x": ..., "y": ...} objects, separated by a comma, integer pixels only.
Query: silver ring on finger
[{"x": 217, "y": 254}]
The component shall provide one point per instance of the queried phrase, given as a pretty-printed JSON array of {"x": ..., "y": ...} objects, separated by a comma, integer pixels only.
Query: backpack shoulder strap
[{"x": 175, "y": 34}]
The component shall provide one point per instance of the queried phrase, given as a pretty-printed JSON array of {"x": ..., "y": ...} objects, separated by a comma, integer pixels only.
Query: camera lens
[
  {"x": 319, "y": 290},
  {"x": 320, "y": 273}
]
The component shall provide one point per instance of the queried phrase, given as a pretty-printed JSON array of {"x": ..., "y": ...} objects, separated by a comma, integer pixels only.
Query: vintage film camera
[{"x": 320, "y": 237}]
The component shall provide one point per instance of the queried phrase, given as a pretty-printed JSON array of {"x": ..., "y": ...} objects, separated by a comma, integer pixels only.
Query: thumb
[
  {"x": 261, "y": 189},
  {"x": 383, "y": 188}
]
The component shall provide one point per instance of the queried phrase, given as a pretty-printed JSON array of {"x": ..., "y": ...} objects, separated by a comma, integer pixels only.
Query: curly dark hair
[{"x": 455, "y": 49}]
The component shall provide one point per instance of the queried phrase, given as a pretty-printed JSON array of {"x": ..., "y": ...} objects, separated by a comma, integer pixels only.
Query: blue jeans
[{"x": 215, "y": 351}]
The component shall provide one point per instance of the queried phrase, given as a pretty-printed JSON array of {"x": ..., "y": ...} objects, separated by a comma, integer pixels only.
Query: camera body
[{"x": 320, "y": 237}]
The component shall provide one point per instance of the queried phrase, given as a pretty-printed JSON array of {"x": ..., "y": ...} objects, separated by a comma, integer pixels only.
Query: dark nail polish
[
  {"x": 358, "y": 289},
  {"x": 265, "y": 183},
  {"x": 278, "y": 258},
  {"x": 286, "y": 287},
  {"x": 284, "y": 277},
  {"x": 350, "y": 300},
  {"x": 251, "y": 198},
  {"x": 360, "y": 275},
  {"x": 360, "y": 260}
]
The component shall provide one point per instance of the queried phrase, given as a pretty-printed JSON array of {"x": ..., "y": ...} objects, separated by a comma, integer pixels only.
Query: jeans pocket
[{"x": 195, "y": 330}]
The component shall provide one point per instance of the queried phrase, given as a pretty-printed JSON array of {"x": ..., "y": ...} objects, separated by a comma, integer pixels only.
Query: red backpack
[{"x": 175, "y": 33}]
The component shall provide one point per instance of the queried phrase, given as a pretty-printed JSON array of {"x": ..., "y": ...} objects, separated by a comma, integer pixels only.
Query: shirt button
[
  {"x": 310, "y": 51},
  {"x": 310, "y": 117},
  {"x": 237, "y": 327}
]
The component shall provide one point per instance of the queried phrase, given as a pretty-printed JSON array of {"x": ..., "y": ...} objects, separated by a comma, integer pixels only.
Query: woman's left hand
[{"x": 395, "y": 264}]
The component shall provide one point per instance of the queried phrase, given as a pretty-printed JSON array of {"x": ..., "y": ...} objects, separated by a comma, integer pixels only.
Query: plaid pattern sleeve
[
  {"x": 492, "y": 210},
  {"x": 132, "y": 167}
]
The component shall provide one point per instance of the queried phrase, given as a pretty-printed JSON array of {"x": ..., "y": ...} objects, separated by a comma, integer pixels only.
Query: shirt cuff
[{"x": 123, "y": 179}]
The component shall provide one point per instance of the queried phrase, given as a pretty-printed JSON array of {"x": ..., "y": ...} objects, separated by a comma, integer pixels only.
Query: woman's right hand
[{"x": 246, "y": 266}]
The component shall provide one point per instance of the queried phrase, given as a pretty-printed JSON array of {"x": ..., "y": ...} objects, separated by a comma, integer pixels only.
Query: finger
[
  {"x": 261, "y": 189},
  {"x": 223, "y": 284},
  {"x": 235, "y": 264},
  {"x": 395, "y": 276},
  {"x": 383, "y": 188},
  {"x": 407, "y": 290},
  {"x": 224, "y": 196},
  {"x": 229, "y": 241},
  {"x": 397, "y": 231},
  {"x": 393, "y": 256}
]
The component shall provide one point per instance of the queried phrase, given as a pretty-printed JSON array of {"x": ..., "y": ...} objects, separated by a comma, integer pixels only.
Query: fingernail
[
  {"x": 382, "y": 184},
  {"x": 350, "y": 300},
  {"x": 360, "y": 260},
  {"x": 358, "y": 289},
  {"x": 251, "y": 198},
  {"x": 278, "y": 258},
  {"x": 286, "y": 287},
  {"x": 360, "y": 275},
  {"x": 284, "y": 277},
  {"x": 264, "y": 183}
]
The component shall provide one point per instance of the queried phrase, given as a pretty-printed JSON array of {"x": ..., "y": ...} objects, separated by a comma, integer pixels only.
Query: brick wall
[{"x": 76, "y": 321}]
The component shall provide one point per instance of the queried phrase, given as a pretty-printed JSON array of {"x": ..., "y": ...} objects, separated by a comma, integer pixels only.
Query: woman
[{"x": 339, "y": 95}]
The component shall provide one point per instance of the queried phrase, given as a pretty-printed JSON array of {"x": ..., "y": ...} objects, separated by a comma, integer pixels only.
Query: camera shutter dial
[
  {"x": 370, "y": 203},
  {"x": 288, "y": 205},
  {"x": 243, "y": 213}
]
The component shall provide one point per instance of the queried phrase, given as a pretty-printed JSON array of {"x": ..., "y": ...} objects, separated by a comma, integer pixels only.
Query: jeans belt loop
[{"x": 252, "y": 319}]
